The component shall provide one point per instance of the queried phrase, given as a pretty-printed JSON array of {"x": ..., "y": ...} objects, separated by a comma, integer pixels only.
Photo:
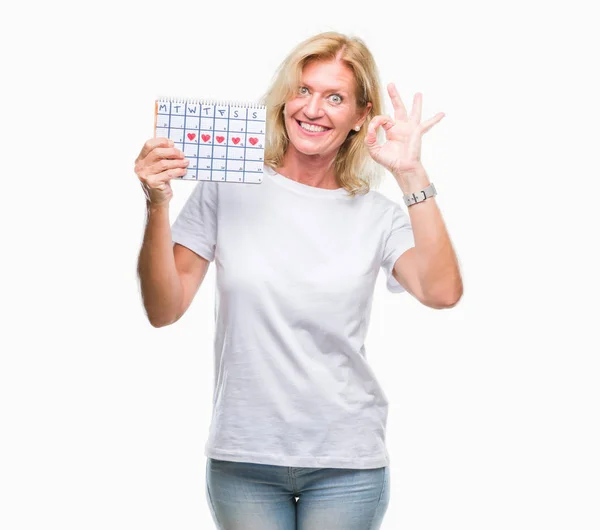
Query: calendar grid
[
  {"x": 212, "y": 137},
  {"x": 169, "y": 120},
  {"x": 232, "y": 151},
  {"x": 184, "y": 118},
  {"x": 227, "y": 146},
  {"x": 246, "y": 143}
]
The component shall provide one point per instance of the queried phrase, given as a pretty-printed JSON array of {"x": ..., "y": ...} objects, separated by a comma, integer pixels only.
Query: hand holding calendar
[
  {"x": 202, "y": 140},
  {"x": 157, "y": 163}
]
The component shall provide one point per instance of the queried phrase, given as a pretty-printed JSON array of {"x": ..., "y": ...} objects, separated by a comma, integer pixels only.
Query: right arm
[{"x": 170, "y": 276}]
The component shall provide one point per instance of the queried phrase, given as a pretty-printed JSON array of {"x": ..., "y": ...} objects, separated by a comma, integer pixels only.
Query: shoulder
[
  {"x": 380, "y": 198},
  {"x": 383, "y": 204}
]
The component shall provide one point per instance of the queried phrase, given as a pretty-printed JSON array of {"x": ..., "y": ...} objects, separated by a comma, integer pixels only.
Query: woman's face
[{"x": 325, "y": 104}]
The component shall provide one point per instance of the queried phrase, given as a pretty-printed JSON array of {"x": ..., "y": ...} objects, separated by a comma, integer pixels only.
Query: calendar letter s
[{"x": 254, "y": 114}]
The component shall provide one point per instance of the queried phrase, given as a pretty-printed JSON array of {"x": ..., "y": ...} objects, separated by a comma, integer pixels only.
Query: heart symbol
[
  {"x": 206, "y": 137},
  {"x": 220, "y": 139},
  {"x": 253, "y": 141},
  {"x": 236, "y": 140},
  {"x": 191, "y": 136}
]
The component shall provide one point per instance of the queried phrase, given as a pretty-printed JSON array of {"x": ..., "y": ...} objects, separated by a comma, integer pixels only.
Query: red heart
[
  {"x": 206, "y": 137},
  {"x": 191, "y": 136},
  {"x": 220, "y": 139},
  {"x": 236, "y": 140},
  {"x": 253, "y": 141}
]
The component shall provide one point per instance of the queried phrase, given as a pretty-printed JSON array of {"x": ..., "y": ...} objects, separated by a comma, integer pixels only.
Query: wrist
[
  {"x": 412, "y": 181},
  {"x": 153, "y": 207}
]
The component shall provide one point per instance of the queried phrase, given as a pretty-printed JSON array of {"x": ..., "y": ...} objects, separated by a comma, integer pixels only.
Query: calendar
[{"x": 224, "y": 141}]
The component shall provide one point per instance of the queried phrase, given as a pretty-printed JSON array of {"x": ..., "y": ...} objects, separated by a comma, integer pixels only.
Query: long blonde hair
[{"x": 355, "y": 170}]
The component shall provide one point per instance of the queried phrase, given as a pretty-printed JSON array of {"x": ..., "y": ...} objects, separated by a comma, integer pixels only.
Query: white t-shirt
[{"x": 296, "y": 269}]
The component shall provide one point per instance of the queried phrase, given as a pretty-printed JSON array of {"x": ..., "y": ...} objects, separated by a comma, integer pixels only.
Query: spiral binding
[{"x": 224, "y": 103}]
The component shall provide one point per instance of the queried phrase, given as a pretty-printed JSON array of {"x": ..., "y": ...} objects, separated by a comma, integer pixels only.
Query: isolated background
[{"x": 494, "y": 413}]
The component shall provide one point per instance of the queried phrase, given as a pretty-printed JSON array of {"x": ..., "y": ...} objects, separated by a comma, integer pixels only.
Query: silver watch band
[{"x": 420, "y": 196}]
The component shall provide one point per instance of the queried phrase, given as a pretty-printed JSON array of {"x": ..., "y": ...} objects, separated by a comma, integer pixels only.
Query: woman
[{"x": 297, "y": 437}]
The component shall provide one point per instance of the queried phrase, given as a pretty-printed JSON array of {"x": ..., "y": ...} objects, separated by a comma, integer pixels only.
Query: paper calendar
[{"x": 224, "y": 141}]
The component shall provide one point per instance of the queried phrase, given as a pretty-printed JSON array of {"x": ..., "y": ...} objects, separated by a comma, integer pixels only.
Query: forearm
[
  {"x": 159, "y": 279},
  {"x": 438, "y": 265}
]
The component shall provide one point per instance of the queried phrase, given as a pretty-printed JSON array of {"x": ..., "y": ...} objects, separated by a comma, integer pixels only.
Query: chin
[
  {"x": 306, "y": 149},
  {"x": 312, "y": 152}
]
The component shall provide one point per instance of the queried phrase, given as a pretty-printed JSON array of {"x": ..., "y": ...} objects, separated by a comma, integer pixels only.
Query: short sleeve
[
  {"x": 196, "y": 225},
  {"x": 399, "y": 239}
]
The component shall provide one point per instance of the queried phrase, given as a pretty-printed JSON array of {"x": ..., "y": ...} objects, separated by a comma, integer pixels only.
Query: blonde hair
[{"x": 355, "y": 170}]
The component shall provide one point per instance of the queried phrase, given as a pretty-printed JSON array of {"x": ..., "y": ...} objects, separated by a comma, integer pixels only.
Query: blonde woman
[{"x": 297, "y": 437}]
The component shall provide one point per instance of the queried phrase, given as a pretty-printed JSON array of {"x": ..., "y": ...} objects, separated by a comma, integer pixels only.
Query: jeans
[{"x": 247, "y": 496}]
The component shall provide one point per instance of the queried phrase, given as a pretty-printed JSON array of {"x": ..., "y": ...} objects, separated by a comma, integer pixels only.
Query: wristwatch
[{"x": 420, "y": 196}]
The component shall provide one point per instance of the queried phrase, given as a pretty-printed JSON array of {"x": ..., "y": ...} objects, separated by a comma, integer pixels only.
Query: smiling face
[{"x": 324, "y": 110}]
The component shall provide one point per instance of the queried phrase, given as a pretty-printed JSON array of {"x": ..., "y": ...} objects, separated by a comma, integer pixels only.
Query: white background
[{"x": 494, "y": 404}]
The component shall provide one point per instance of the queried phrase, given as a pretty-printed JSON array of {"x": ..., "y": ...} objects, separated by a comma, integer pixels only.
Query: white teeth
[{"x": 312, "y": 128}]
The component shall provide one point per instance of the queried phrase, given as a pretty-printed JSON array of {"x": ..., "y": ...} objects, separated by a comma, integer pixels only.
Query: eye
[
  {"x": 301, "y": 90},
  {"x": 339, "y": 98}
]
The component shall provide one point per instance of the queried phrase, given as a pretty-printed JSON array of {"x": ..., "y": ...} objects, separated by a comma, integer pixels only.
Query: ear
[{"x": 364, "y": 114}]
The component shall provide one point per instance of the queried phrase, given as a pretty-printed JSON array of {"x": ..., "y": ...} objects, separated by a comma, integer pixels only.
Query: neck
[{"x": 312, "y": 170}]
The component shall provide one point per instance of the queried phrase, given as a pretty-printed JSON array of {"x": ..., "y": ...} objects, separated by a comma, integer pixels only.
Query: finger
[
  {"x": 416, "y": 110},
  {"x": 385, "y": 121},
  {"x": 159, "y": 153},
  {"x": 399, "y": 108},
  {"x": 153, "y": 143},
  {"x": 170, "y": 174},
  {"x": 160, "y": 180},
  {"x": 164, "y": 164},
  {"x": 157, "y": 156},
  {"x": 147, "y": 171},
  {"x": 431, "y": 122}
]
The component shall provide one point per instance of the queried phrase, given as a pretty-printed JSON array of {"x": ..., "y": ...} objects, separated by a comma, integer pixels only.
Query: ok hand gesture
[{"x": 401, "y": 153}]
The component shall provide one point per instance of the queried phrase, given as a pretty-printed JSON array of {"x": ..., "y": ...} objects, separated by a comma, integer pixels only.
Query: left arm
[{"x": 430, "y": 270}]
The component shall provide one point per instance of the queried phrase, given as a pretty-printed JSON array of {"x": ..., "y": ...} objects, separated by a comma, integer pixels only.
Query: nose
[{"x": 313, "y": 109}]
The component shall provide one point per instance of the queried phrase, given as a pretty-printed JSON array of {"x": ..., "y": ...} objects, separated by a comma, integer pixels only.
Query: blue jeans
[{"x": 247, "y": 496}]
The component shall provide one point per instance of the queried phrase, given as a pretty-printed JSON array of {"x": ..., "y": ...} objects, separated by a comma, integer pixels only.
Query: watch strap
[{"x": 420, "y": 196}]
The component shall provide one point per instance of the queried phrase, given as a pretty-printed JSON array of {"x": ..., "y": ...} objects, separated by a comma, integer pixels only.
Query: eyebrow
[{"x": 341, "y": 91}]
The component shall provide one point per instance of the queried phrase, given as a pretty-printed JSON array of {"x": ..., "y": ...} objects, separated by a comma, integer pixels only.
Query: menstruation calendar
[{"x": 224, "y": 141}]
